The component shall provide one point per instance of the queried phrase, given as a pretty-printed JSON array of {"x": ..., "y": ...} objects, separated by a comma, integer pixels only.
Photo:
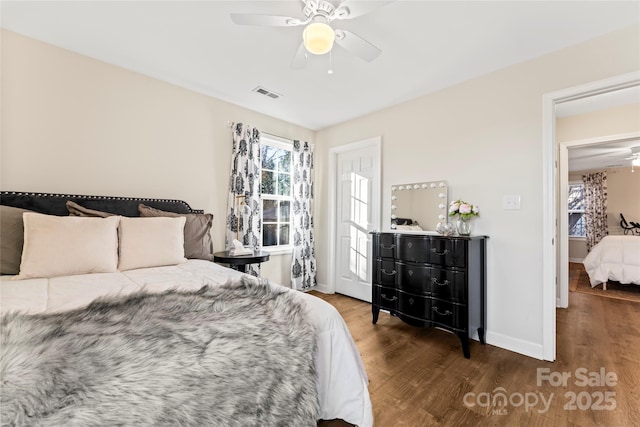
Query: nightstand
[{"x": 240, "y": 262}]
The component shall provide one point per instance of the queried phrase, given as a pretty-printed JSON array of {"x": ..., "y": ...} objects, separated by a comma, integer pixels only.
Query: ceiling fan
[{"x": 319, "y": 36}]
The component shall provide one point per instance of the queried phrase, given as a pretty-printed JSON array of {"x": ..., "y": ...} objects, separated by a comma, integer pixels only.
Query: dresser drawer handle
[
  {"x": 435, "y": 251},
  {"x": 446, "y": 312},
  {"x": 435, "y": 282},
  {"x": 392, "y": 273},
  {"x": 387, "y": 247},
  {"x": 389, "y": 299}
]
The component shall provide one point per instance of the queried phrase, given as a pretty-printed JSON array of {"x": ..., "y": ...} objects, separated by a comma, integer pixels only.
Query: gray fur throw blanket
[{"x": 240, "y": 354}]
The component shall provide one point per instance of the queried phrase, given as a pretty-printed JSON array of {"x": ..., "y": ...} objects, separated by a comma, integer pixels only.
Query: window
[
  {"x": 576, "y": 210},
  {"x": 276, "y": 192}
]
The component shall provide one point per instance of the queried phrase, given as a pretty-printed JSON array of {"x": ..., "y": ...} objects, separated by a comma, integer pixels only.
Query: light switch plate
[{"x": 511, "y": 202}]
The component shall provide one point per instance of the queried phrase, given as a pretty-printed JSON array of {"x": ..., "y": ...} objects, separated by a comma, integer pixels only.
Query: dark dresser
[{"x": 432, "y": 281}]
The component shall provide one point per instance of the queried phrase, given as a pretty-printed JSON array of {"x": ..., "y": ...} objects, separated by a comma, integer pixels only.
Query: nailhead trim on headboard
[{"x": 28, "y": 200}]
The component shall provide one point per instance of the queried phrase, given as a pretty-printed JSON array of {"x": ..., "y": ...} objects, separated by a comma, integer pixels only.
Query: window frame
[
  {"x": 284, "y": 144},
  {"x": 573, "y": 211}
]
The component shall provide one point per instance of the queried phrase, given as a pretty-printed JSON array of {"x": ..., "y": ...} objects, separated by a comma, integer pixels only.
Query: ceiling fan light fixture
[{"x": 318, "y": 38}]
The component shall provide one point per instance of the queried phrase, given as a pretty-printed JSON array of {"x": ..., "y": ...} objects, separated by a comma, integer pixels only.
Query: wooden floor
[{"x": 419, "y": 377}]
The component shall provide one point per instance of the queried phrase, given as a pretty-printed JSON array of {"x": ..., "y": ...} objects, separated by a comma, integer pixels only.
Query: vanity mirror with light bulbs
[{"x": 418, "y": 207}]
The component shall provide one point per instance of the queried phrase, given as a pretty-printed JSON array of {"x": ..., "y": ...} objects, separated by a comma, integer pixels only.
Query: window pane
[
  {"x": 269, "y": 235},
  {"x": 576, "y": 197},
  {"x": 268, "y": 157},
  {"x": 268, "y": 183},
  {"x": 576, "y": 225},
  {"x": 269, "y": 210},
  {"x": 284, "y": 234},
  {"x": 284, "y": 184},
  {"x": 285, "y": 161},
  {"x": 285, "y": 210}
]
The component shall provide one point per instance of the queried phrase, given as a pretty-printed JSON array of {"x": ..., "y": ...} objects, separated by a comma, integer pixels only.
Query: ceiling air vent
[{"x": 266, "y": 92}]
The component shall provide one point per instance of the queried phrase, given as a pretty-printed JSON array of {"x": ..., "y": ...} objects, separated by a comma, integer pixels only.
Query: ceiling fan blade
[
  {"x": 357, "y": 45},
  {"x": 350, "y": 9},
  {"x": 300, "y": 60},
  {"x": 266, "y": 20}
]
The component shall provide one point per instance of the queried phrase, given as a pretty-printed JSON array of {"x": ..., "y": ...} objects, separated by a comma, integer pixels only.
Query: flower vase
[{"x": 464, "y": 227}]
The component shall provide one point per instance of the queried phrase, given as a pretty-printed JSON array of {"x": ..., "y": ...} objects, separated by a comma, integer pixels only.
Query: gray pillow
[
  {"x": 11, "y": 239},
  {"x": 197, "y": 240},
  {"x": 77, "y": 210}
]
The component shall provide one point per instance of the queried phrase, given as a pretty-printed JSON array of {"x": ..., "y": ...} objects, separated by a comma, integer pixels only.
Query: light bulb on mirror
[
  {"x": 442, "y": 195},
  {"x": 416, "y": 186},
  {"x": 393, "y": 188},
  {"x": 393, "y": 207},
  {"x": 394, "y": 197},
  {"x": 401, "y": 187},
  {"x": 441, "y": 216},
  {"x": 433, "y": 185},
  {"x": 441, "y": 206},
  {"x": 425, "y": 186}
]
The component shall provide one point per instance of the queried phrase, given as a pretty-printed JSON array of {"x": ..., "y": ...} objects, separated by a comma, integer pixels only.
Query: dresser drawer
[
  {"x": 386, "y": 246},
  {"x": 448, "y": 252},
  {"x": 448, "y": 284},
  {"x": 386, "y": 298},
  {"x": 414, "y": 278},
  {"x": 448, "y": 314},
  {"x": 414, "y": 306},
  {"x": 386, "y": 272},
  {"x": 413, "y": 248}
]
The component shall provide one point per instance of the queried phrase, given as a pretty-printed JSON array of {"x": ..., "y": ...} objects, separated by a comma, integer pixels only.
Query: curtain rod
[{"x": 231, "y": 124}]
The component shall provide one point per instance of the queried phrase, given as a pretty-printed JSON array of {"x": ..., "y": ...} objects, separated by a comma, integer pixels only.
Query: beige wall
[
  {"x": 623, "y": 196},
  {"x": 484, "y": 137},
  {"x": 613, "y": 121},
  {"x": 72, "y": 124}
]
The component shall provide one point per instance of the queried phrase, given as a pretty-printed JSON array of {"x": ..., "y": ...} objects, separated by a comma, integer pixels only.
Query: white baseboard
[
  {"x": 324, "y": 288},
  {"x": 576, "y": 260},
  {"x": 516, "y": 345}
]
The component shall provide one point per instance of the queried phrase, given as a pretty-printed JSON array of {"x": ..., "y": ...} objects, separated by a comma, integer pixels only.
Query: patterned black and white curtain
[
  {"x": 595, "y": 207},
  {"x": 244, "y": 204},
  {"x": 303, "y": 262}
]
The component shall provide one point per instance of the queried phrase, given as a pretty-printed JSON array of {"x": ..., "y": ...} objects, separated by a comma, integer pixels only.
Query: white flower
[
  {"x": 454, "y": 207},
  {"x": 475, "y": 210}
]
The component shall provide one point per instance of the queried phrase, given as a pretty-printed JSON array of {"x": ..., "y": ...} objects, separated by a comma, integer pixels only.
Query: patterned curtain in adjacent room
[
  {"x": 595, "y": 207},
  {"x": 244, "y": 217},
  {"x": 303, "y": 263}
]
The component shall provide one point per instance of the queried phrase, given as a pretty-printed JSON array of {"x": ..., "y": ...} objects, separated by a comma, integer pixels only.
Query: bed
[
  {"x": 615, "y": 258},
  {"x": 186, "y": 343}
]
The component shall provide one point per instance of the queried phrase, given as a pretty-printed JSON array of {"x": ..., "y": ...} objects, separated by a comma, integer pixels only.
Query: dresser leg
[
  {"x": 481, "y": 336},
  {"x": 375, "y": 311},
  {"x": 464, "y": 339}
]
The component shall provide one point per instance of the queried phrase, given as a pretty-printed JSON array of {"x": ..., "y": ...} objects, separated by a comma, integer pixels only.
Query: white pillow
[
  {"x": 65, "y": 245},
  {"x": 151, "y": 242}
]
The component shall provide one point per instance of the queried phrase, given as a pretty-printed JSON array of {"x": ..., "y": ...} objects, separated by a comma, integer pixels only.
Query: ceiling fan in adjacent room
[{"x": 319, "y": 35}]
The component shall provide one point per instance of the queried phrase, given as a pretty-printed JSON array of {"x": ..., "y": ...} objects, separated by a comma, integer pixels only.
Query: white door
[{"x": 357, "y": 213}]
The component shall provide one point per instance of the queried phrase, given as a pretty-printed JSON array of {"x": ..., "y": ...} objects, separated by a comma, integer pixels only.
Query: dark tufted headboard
[{"x": 54, "y": 204}]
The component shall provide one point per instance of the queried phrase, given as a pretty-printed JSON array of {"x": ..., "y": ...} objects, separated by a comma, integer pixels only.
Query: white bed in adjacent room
[{"x": 615, "y": 258}]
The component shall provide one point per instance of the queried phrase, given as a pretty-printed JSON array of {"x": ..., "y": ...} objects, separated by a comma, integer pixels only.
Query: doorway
[
  {"x": 621, "y": 140},
  {"x": 355, "y": 196},
  {"x": 550, "y": 209}
]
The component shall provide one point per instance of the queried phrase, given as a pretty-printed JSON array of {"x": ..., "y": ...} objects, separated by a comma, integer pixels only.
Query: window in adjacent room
[
  {"x": 276, "y": 192},
  {"x": 576, "y": 210}
]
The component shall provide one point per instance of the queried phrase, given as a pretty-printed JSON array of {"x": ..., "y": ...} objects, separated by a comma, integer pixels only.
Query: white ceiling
[{"x": 426, "y": 46}]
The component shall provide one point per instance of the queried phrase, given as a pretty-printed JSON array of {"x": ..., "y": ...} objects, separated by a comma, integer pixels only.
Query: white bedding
[
  {"x": 614, "y": 258},
  {"x": 342, "y": 380}
]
